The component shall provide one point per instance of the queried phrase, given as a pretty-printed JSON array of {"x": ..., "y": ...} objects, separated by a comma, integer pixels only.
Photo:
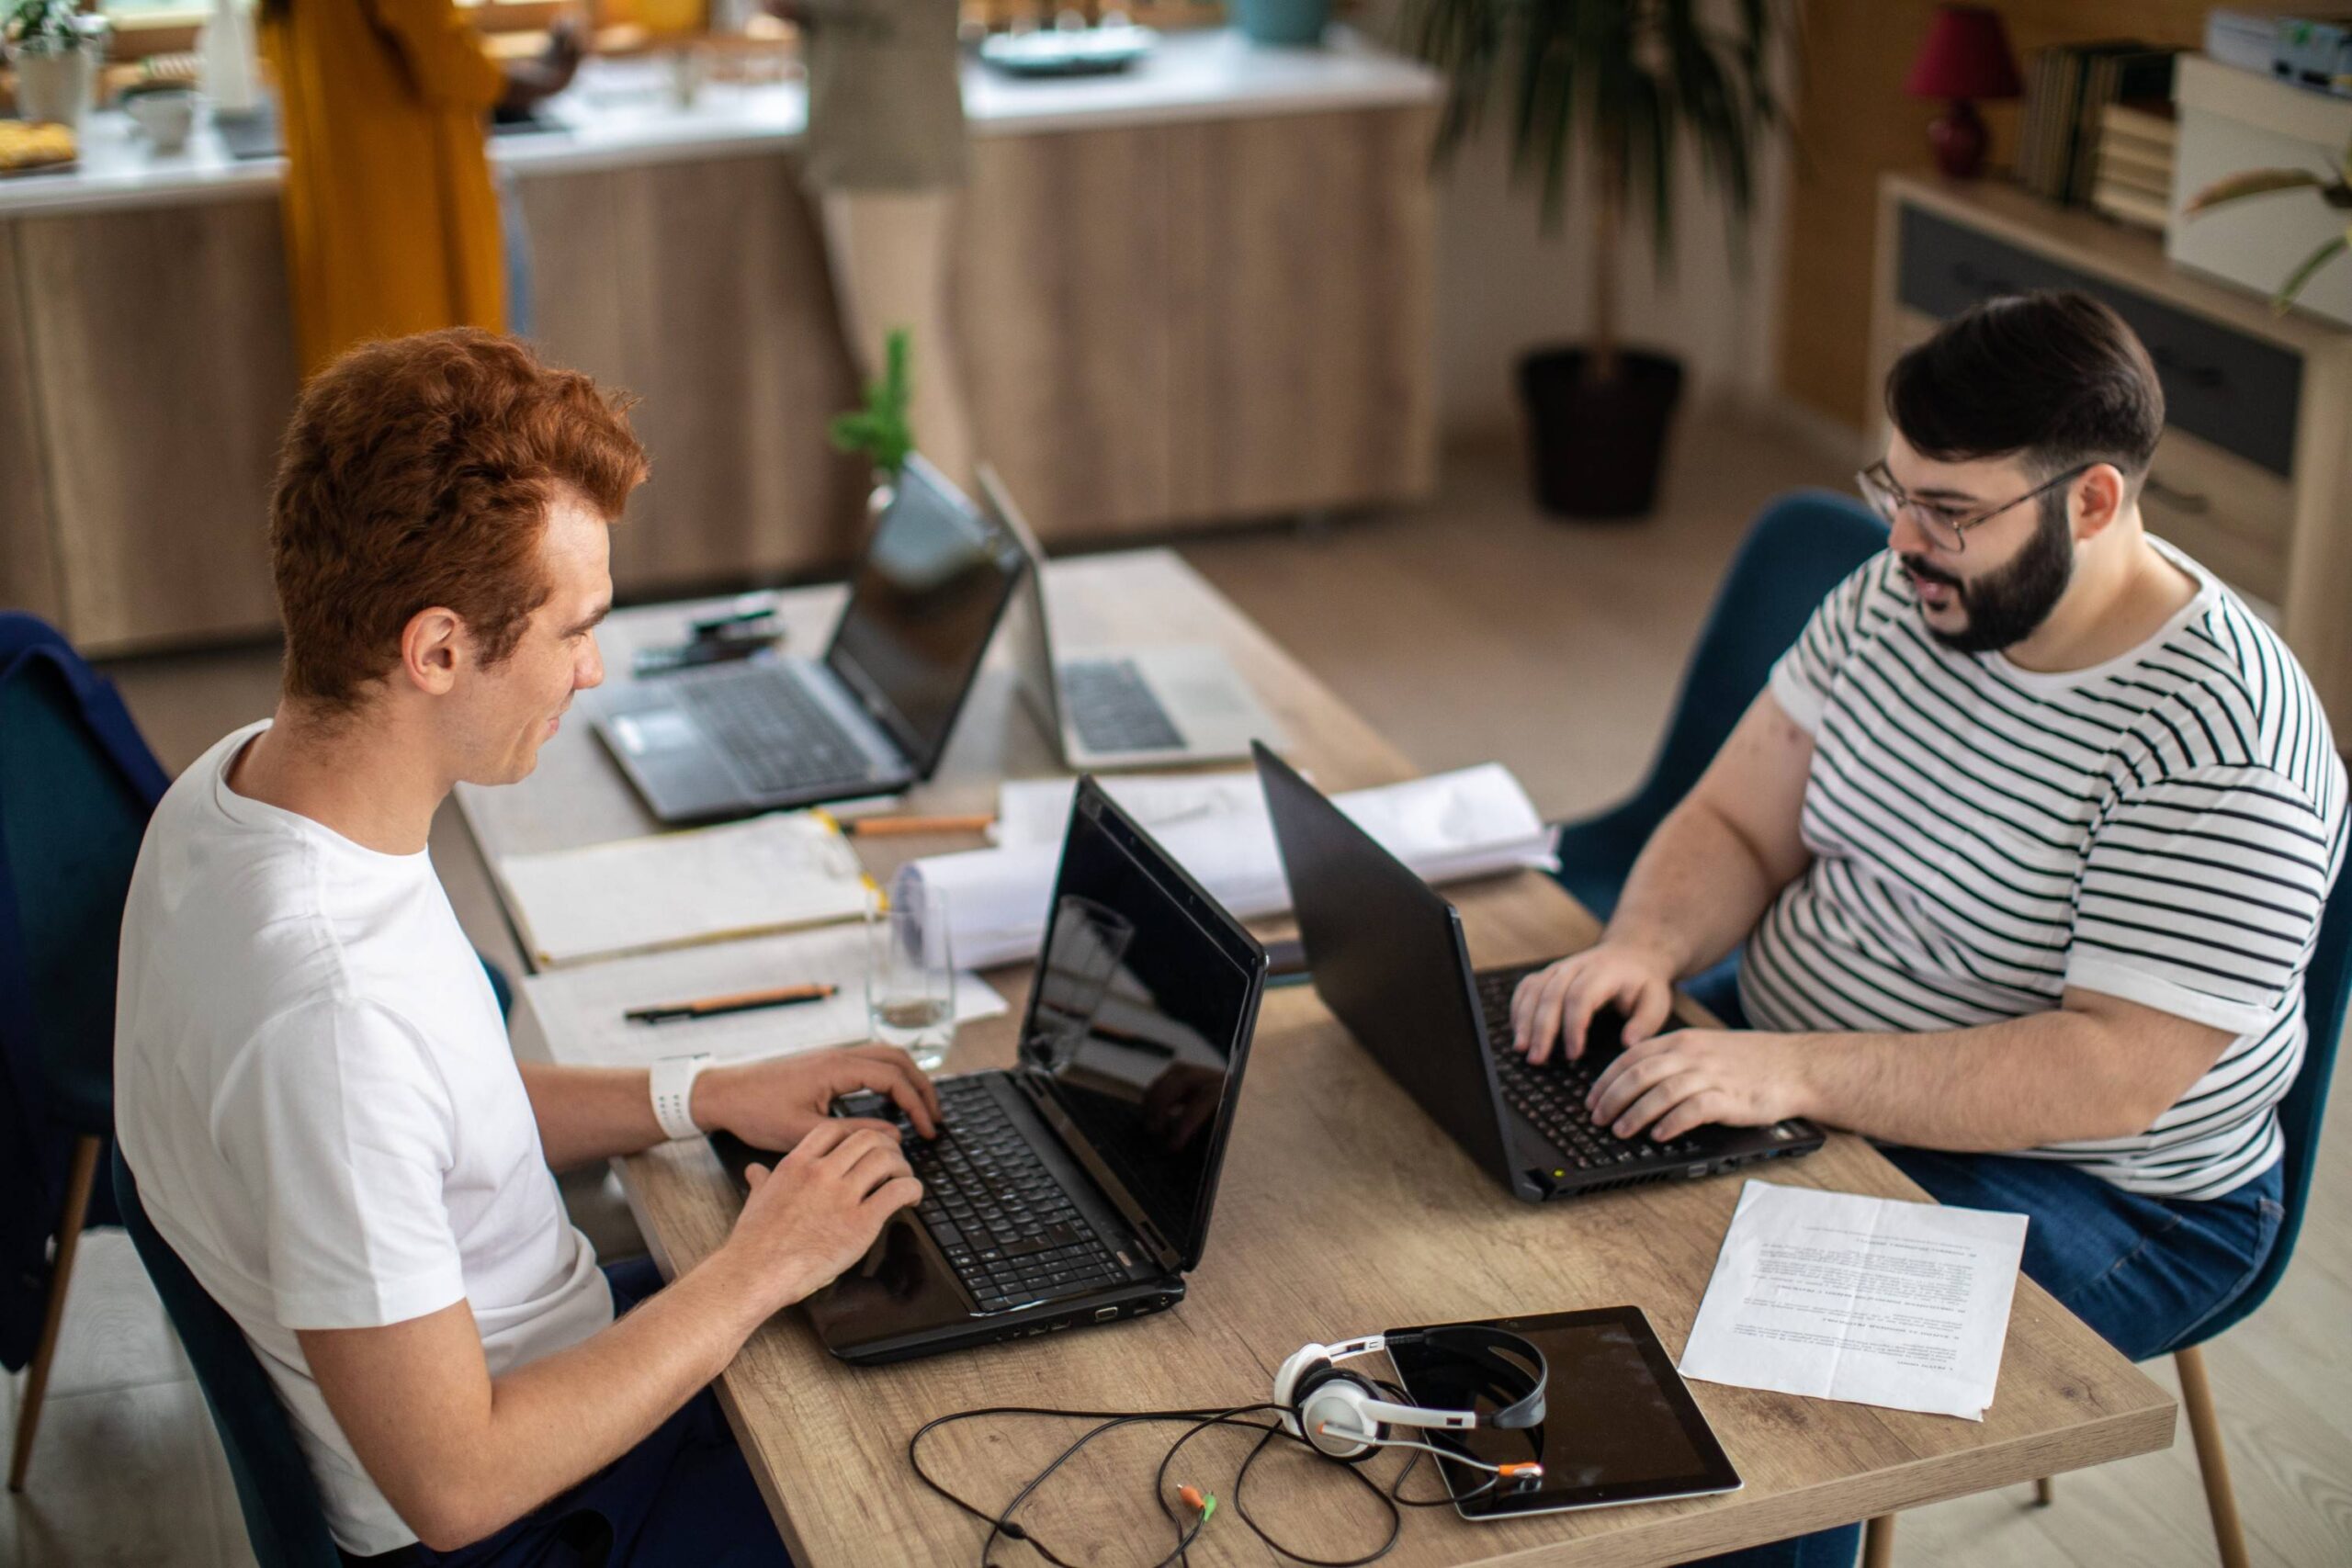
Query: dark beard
[{"x": 2007, "y": 606}]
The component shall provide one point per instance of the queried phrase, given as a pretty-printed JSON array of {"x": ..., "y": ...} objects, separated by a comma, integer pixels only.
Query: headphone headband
[{"x": 1511, "y": 1373}]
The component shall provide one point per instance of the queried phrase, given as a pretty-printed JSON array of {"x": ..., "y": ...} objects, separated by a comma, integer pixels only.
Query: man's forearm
[
  {"x": 1696, "y": 892},
  {"x": 2057, "y": 1077},
  {"x": 589, "y": 1113},
  {"x": 556, "y": 1421}
]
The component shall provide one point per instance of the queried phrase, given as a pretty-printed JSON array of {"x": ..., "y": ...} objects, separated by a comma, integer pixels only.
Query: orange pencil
[
  {"x": 738, "y": 1001},
  {"x": 889, "y": 827}
]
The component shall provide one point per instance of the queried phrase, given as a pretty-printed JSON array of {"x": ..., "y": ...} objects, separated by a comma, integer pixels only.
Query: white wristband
[{"x": 672, "y": 1081}]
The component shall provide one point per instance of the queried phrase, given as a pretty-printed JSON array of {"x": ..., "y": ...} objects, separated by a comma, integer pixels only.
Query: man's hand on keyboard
[
  {"x": 1554, "y": 1006},
  {"x": 775, "y": 1103},
  {"x": 819, "y": 1210}
]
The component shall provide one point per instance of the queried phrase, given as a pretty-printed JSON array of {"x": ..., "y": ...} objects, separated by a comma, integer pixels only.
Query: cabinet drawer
[
  {"x": 2239, "y": 393},
  {"x": 2232, "y": 515}
]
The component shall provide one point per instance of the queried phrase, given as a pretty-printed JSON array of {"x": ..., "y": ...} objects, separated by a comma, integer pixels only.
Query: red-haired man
[{"x": 314, "y": 1087}]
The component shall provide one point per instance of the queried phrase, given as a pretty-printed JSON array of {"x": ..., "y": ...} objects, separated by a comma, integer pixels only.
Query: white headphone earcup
[
  {"x": 1334, "y": 1418},
  {"x": 1287, "y": 1382}
]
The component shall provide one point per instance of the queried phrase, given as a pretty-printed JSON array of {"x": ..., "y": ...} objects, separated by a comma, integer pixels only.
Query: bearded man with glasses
[{"x": 2024, "y": 846}]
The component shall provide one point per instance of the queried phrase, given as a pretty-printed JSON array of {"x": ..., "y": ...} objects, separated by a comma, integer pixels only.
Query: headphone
[{"x": 1344, "y": 1416}]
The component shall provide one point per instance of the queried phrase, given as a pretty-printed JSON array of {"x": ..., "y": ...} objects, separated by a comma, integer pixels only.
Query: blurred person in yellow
[{"x": 392, "y": 224}]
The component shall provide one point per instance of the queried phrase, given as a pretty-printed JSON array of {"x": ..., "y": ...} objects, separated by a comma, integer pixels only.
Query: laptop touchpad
[{"x": 662, "y": 729}]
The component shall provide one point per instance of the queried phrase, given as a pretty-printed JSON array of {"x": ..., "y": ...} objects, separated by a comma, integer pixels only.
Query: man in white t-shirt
[{"x": 313, "y": 1083}]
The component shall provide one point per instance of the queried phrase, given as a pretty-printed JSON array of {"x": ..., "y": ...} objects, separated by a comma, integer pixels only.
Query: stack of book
[
  {"x": 2068, "y": 88},
  {"x": 2133, "y": 181}
]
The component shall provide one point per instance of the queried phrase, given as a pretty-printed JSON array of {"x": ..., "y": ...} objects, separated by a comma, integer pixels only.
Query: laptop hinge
[{"x": 1034, "y": 1084}]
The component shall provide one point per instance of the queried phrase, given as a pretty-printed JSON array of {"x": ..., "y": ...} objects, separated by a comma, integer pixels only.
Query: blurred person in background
[{"x": 392, "y": 223}]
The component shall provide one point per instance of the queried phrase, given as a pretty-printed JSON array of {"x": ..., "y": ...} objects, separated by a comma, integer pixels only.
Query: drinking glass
[{"x": 911, "y": 976}]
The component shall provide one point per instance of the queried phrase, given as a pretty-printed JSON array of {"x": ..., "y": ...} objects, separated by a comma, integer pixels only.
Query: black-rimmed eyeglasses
[{"x": 1945, "y": 525}]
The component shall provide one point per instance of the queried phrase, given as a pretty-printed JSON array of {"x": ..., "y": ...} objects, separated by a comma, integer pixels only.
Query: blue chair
[
  {"x": 275, "y": 1489},
  {"x": 76, "y": 787},
  {"x": 1800, "y": 548},
  {"x": 2327, "y": 987}
]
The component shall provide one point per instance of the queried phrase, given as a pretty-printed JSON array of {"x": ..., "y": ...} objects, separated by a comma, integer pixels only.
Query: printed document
[{"x": 1838, "y": 1296}]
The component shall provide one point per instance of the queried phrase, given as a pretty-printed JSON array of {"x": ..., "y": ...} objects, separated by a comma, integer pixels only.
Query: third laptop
[{"x": 1388, "y": 957}]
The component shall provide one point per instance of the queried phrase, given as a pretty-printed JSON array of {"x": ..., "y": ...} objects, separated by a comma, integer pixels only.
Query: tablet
[{"x": 1619, "y": 1426}]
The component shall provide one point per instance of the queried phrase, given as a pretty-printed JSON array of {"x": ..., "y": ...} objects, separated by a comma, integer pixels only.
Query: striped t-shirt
[{"x": 2162, "y": 828}]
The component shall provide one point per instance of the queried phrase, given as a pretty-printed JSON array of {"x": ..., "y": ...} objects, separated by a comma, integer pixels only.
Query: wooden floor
[{"x": 1554, "y": 649}]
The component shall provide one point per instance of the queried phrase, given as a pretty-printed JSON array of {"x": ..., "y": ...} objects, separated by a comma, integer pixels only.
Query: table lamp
[{"x": 1966, "y": 56}]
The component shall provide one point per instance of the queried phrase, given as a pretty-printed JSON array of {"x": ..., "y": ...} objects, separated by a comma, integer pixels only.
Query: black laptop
[
  {"x": 871, "y": 717},
  {"x": 1075, "y": 1188},
  {"x": 1388, "y": 957}
]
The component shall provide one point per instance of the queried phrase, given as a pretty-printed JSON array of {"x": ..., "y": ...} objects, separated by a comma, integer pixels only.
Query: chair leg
[
  {"x": 1878, "y": 1542},
  {"x": 79, "y": 1177},
  {"x": 2205, "y": 1428},
  {"x": 2045, "y": 1491}
]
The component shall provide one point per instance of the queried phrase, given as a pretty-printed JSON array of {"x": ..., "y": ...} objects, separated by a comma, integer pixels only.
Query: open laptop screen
[
  {"x": 922, "y": 606},
  {"x": 1146, "y": 997}
]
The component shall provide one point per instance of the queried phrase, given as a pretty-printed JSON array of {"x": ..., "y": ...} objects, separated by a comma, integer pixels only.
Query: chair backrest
[
  {"x": 72, "y": 814},
  {"x": 1799, "y": 548},
  {"x": 275, "y": 1489},
  {"x": 2327, "y": 986},
  {"x": 76, "y": 787}
]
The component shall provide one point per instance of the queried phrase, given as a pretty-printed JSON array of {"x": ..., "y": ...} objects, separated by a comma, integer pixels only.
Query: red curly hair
[{"x": 417, "y": 472}]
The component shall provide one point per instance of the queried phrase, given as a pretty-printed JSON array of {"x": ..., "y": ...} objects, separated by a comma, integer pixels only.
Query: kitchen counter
[{"x": 619, "y": 113}]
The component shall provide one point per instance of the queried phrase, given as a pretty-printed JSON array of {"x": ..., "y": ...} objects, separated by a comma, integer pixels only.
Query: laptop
[
  {"x": 871, "y": 717},
  {"x": 1075, "y": 1188},
  {"x": 1130, "y": 707},
  {"x": 1388, "y": 957}
]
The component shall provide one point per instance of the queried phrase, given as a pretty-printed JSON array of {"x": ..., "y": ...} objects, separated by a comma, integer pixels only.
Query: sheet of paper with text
[{"x": 1868, "y": 1300}]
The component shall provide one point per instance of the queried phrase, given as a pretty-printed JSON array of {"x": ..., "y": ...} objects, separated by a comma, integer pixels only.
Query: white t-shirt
[{"x": 314, "y": 1087}]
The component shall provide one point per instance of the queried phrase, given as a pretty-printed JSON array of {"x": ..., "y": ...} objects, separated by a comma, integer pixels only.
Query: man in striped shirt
[{"x": 2027, "y": 841}]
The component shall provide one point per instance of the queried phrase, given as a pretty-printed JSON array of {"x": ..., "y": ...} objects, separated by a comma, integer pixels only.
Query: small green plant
[
  {"x": 43, "y": 27},
  {"x": 880, "y": 430},
  {"x": 2335, "y": 188}
]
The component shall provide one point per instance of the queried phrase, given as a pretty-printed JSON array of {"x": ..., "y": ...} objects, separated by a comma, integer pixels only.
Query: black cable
[{"x": 1002, "y": 1527}]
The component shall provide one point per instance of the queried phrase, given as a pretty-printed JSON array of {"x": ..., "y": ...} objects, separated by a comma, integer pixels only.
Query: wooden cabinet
[
  {"x": 162, "y": 367},
  {"x": 1162, "y": 325},
  {"x": 700, "y": 288},
  {"x": 2254, "y": 472},
  {"x": 1198, "y": 322}
]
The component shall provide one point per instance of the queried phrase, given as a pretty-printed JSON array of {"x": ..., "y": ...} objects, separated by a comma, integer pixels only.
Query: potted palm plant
[{"x": 1608, "y": 89}]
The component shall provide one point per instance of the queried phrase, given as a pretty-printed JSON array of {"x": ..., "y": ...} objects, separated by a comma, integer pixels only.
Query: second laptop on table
[
  {"x": 1388, "y": 957},
  {"x": 871, "y": 717}
]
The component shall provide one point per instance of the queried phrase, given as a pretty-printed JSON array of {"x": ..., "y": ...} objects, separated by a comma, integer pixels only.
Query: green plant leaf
[
  {"x": 880, "y": 431},
  {"x": 2311, "y": 264},
  {"x": 2252, "y": 182}
]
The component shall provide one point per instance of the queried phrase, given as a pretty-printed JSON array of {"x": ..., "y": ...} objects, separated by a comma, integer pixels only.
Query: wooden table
[{"x": 1343, "y": 1210}]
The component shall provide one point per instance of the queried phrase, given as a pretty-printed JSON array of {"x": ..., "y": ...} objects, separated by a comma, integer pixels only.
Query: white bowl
[{"x": 165, "y": 117}]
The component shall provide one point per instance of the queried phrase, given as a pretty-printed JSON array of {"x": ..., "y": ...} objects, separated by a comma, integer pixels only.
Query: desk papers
[
  {"x": 1451, "y": 826},
  {"x": 775, "y": 872},
  {"x": 1869, "y": 1300},
  {"x": 578, "y": 1010}
]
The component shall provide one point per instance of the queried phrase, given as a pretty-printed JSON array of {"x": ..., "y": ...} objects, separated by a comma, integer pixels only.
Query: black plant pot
[{"x": 1597, "y": 447}]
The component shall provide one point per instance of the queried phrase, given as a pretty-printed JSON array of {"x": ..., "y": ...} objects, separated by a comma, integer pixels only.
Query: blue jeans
[
  {"x": 2147, "y": 1273},
  {"x": 683, "y": 1496}
]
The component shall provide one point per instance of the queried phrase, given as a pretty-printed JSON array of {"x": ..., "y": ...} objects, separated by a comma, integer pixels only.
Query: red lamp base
[{"x": 1958, "y": 137}]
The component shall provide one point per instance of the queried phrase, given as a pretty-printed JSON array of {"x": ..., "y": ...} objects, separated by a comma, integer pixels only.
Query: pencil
[
  {"x": 738, "y": 1001},
  {"x": 889, "y": 827}
]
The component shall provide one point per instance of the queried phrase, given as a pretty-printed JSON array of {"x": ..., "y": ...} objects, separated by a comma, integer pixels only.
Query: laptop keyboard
[
  {"x": 777, "y": 734},
  {"x": 1552, "y": 1096},
  {"x": 1010, "y": 1232},
  {"x": 1113, "y": 708}
]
